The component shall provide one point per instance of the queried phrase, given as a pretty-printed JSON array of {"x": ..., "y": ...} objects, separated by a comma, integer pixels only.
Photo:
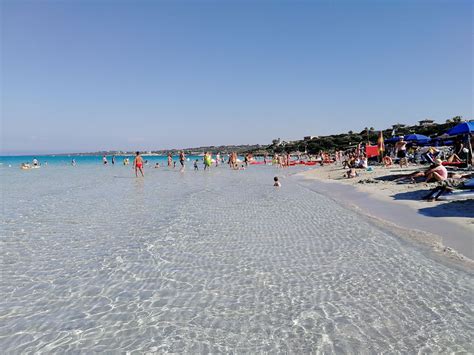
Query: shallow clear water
[{"x": 94, "y": 259}]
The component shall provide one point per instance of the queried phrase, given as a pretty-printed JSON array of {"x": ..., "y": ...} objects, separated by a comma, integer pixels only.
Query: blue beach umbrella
[
  {"x": 417, "y": 138},
  {"x": 465, "y": 129},
  {"x": 462, "y": 128},
  {"x": 392, "y": 140}
]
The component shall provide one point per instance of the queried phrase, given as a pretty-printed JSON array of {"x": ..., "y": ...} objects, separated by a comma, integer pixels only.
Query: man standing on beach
[
  {"x": 138, "y": 164},
  {"x": 401, "y": 151}
]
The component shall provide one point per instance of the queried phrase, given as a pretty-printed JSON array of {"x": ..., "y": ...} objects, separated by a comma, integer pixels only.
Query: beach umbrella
[
  {"x": 465, "y": 129},
  {"x": 417, "y": 138},
  {"x": 392, "y": 140},
  {"x": 462, "y": 128}
]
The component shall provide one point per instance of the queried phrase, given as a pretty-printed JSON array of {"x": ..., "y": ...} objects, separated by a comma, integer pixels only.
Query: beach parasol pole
[
  {"x": 471, "y": 161},
  {"x": 381, "y": 145}
]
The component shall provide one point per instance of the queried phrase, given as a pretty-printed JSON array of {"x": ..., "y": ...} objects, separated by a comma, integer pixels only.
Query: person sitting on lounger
[
  {"x": 431, "y": 155},
  {"x": 453, "y": 158}
]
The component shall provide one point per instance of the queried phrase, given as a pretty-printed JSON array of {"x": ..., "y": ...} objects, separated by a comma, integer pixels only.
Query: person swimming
[
  {"x": 276, "y": 182},
  {"x": 138, "y": 164}
]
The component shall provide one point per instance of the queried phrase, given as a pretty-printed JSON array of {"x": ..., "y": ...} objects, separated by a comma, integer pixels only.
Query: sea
[{"x": 94, "y": 259}]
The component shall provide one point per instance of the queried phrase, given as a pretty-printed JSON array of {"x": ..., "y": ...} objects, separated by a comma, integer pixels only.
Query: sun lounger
[
  {"x": 452, "y": 190},
  {"x": 457, "y": 195}
]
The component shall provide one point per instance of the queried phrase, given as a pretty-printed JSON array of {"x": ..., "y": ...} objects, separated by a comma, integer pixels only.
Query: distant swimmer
[
  {"x": 104, "y": 160},
  {"x": 35, "y": 162},
  {"x": 73, "y": 162},
  {"x": 182, "y": 158},
  {"x": 170, "y": 159},
  {"x": 113, "y": 159},
  {"x": 218, "y": 158},
  {"x": 174, "y": 164},
  {"x": 276, "y": 182},
  {"x": 157, "y": 165},
  {"x": 196, "y": 165},
  {"x": 138, "y": 164}
]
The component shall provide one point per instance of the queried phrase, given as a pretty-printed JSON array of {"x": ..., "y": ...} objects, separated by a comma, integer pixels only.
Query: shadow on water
[{"x": 464, "y": 208}]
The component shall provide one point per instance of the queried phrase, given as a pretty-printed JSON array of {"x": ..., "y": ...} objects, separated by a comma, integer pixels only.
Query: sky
[{"x": 82, "y": 76}]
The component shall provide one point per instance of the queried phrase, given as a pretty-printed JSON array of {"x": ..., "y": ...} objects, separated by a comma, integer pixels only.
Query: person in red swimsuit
[{"x": 138, "y": 164}]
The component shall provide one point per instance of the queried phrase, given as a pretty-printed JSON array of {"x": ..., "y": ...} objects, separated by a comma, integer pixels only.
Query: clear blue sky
[{"x": 89, "y": 75}]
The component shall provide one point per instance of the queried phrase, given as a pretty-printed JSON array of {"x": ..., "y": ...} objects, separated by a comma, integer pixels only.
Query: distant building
[
  {"x": 425, "y": 123},
  {"x": 276, "y": 141},
  {"x": 398, "y": 125},
  {"x": 308, "y": 138}
]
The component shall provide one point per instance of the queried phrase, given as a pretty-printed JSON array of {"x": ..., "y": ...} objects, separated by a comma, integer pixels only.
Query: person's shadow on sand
[
  {"x": 415, "y": 195},
  {"x": 463, "y": 208}
]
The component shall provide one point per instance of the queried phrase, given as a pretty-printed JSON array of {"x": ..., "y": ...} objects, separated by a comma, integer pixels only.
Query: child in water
[
  {"x": 277, "y": 183},
  {"x": 196, "y": 165}
]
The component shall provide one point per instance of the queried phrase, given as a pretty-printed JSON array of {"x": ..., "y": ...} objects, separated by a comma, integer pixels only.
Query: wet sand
[{"x": 448, "y": 226}]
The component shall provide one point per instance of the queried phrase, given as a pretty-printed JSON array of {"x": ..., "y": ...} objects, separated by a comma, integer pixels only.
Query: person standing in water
[
  {"x": 104, "y": 160},
  {"x": 182, "y": 157},
  {"x": 138, "y": 164},
  {"x": 170, "y": 159},
  {"x": 113, "y": 159},
  {"x": 207, "y": 161}
]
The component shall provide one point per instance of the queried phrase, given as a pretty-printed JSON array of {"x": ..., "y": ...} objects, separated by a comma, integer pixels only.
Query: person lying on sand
[{"x": 412, "y": 177}]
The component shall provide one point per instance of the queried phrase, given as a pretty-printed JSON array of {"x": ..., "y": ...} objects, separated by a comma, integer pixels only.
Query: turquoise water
[
  {"x": 94, "y": 259},
  {"x": 15, "y": 161}
]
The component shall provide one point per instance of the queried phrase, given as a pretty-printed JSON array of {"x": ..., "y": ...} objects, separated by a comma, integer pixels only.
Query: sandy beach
[{"x": 376, "y": 194}]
